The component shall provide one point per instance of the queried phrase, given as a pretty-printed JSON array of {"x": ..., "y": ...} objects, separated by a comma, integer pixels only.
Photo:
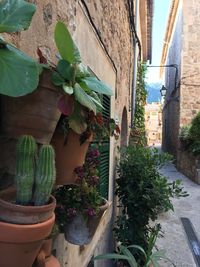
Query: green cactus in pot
[
  {"x": 25, "y": 158},
  {"x": 34, "y": 178},
  {"x": 45, "y": 175}
]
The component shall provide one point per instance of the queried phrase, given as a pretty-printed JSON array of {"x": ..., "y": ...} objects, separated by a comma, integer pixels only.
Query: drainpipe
[{"x": 134, "y": 83}]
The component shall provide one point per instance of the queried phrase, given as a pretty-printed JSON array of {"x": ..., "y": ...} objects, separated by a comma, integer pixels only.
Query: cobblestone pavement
[{"x": 175, "y": 240}]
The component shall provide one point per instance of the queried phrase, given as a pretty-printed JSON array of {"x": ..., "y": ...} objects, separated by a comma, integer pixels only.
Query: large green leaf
[
  {"x": 65, "y": 69},
  {"x": 19, "y": 73},
  {"x": 111, "y": 256},
  {"x": 65, "y": 44},
  {"x": 15, "y": 15},
  {"x": 94, "y": 84},
  {"x": 82, "y": 97},
  {"x": 77, "y": 121}
]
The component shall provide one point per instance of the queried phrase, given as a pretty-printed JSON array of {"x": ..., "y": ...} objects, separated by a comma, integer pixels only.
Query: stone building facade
[
  {"x": 102, "y": 32},
  {"x": 181, "y": 55},
  {"x": 153, "y": 123}
]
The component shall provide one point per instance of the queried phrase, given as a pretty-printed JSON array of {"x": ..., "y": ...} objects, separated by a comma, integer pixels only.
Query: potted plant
[
  {"x": 27, "y": 214},
  {"x": 21, "y": 103},
  {"x": 80, "y": 207},
  {"x": 81, "y": 105}
]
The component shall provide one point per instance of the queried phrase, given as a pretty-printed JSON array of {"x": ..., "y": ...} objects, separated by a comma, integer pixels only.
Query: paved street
[{"x": 175, "y": 240}]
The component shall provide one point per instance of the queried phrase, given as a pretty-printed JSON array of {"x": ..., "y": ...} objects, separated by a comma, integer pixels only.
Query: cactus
[
  {"x": 45, "y": 175},
  {"x": 24, "y": 179}
]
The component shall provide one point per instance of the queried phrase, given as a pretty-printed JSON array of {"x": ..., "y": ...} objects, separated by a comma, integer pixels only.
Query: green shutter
[
  {"x": 104, "y": 169},
  {"x": 104, "y": 150}
]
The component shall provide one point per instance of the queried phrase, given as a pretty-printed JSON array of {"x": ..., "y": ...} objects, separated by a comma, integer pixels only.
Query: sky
[{"x": 160, "y": 18}]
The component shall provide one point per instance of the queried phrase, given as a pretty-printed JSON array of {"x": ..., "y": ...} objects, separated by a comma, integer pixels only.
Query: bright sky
[{"x": 161, "y": 12}]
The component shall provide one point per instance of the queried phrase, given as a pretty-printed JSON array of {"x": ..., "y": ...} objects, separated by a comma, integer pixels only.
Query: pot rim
[
  {"x": 20, "y": 233},
  {"x": 27, "y": 208}
]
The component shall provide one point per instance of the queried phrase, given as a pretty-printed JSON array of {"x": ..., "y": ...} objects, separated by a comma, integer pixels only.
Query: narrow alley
[{"x": 175, "y": 240}]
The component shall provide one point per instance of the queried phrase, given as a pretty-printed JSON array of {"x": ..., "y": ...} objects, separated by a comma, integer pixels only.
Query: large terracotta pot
[
  {"x": 20, "y": 244},
  {"x": 12, "y": 213},
  {"x": 79, "y": 231},
  {"x": 35, "y": 114},
  {"x": 44, "y": 257},
  {"x": 68, "y": 156}
]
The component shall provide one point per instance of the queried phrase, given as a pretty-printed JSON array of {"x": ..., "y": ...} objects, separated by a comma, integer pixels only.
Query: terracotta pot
[
  {"x": 20, "y": 244},
  {"x": 12, "y": 213},
  {"x": 44, "y": 258},
  {"x": 68, "y": 156},
  {"x": 35, "y": 114},
  {"x": 79, "y": 231}
]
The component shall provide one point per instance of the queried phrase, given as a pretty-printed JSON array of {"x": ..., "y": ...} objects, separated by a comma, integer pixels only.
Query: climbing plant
[{"x": 138, "y": 131}]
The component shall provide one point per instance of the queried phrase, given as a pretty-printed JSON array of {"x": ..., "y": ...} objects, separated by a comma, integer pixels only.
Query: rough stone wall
[
  {"x": 190, "y": 86},
  {"x": 171, "y": 107},
  {"x": 111, "y": 21},
  {"x": 189, "y": 165}
]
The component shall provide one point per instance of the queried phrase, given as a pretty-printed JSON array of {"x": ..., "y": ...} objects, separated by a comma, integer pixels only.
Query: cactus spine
[
  {"x": 45, "y": 175},
  {"x": 24, "y": 179}
]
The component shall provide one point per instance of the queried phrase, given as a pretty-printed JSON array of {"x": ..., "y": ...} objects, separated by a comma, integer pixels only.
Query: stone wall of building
[
  {"x": 171, "y": 108},
  {"x": 189, "y": 165},
  {"x": 190, "y": 86},
  {"x": 109, "y": 53}
]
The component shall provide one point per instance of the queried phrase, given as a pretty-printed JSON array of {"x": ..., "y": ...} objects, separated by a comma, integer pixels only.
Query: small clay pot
[
  {"x": 12, "y": 213},
  {"x": 20, "y": 244},
  {"x": 68, "y": 156}
]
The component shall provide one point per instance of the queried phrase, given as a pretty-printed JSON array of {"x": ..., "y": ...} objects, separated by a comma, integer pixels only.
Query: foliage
[
  {"x": 101, "y": 128},
  {"x": 143, "y": 193},
  {"x": 34, "y": 178},
  {"x": 82, "y": 89},
  {"x": 190, "y": 136},
  {"x": 19, "y": 73},
  {"x": 82, "y": 197},
  {"x": 127, "y": 254},
  {"x": 137, "y": 135}
]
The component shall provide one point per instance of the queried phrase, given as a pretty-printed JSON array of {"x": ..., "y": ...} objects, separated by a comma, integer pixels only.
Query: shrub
[
  {"x": 143, "y": 193},
  {"x": 190, "y": 136}
]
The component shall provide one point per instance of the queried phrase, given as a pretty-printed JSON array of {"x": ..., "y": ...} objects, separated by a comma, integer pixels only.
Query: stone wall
[
  {"x": 171, "y": 107},
  {"x": 190, "y": 86},
  {"x": 109, "y": 24},
  {"x": 189, "y": 165}
]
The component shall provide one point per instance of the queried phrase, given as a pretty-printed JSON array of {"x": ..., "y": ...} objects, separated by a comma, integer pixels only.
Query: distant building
[{"x": 153, "y": 123}]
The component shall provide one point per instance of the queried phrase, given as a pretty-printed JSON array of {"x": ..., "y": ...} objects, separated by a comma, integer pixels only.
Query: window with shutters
[{"x": 104, "y": 149}]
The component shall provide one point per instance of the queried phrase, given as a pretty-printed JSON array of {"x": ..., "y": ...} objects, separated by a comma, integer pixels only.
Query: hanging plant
[
  {"x": 82, "y": 89},
  {"x": 19, "y": 72}
]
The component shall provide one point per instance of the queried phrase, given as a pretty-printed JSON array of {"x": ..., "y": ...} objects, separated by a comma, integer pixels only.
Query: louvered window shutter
[{"x": 104, "y": 150}]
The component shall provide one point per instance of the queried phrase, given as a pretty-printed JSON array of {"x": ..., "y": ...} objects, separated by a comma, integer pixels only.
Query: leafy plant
[
  {"x": 19, "y": 72},
  {"x": 127, "y": 254},
  {"x": 137, "y": 135},
  {"x": 81, "y": 198},
  {"x": 190, "y": 137},
  {"x": 143, "y": 193},
  {"x": 82, "y": 89}
]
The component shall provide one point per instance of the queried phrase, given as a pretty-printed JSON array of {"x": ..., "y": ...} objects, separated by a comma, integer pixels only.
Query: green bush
[
  {"x": 190, "y": 136},
  {"x": 143, "y": 193}
]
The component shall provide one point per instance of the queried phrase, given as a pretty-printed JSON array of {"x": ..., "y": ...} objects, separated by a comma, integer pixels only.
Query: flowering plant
[{"x": 83, "y": 197}]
